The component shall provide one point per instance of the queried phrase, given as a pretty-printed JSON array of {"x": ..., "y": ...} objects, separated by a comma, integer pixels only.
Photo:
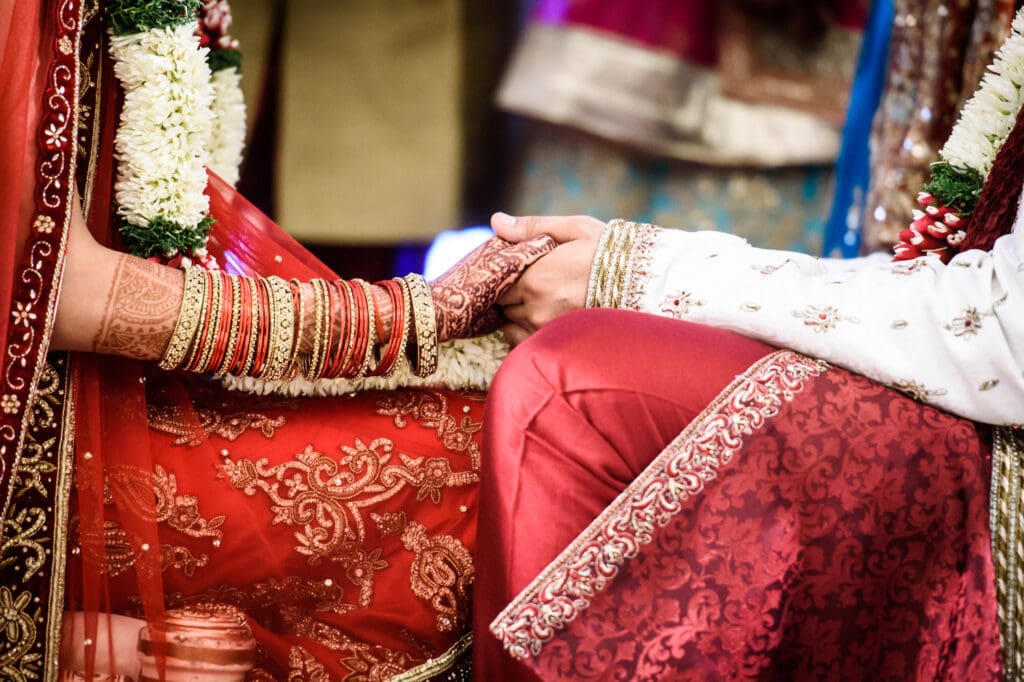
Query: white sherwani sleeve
[{"x": 949, "y": 335}]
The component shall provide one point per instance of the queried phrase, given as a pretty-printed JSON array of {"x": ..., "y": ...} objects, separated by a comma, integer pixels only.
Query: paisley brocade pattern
[
  {"x": 848, "y": 539},
  {"x": 357, "y": 511}
]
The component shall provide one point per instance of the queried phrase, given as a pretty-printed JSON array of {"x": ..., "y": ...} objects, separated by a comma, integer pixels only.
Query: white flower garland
[
  {"x": 177, "y": 119},
  {"x": 989, "y": 116},
  {"x": 167, "y": 89},
  {"x": 228, "y": 139}
]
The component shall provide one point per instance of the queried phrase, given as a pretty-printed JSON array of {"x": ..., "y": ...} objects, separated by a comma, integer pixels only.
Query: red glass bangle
[{"x": 398, "y": 329}]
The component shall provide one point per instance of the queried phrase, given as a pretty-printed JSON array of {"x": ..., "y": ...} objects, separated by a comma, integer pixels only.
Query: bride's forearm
[{"x": 112, "y": 302}]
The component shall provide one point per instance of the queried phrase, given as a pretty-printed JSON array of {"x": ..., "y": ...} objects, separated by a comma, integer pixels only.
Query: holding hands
[
  {"x": 555, "y": 284},
  {"x": 465, "y": 296}
]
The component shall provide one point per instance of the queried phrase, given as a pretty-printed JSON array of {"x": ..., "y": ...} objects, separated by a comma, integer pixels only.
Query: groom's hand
[
  {"x": 555, "y": 284},
  {"x": 465, "y": 297}
]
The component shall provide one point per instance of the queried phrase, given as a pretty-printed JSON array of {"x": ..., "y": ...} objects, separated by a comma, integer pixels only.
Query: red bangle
[
  {"x": 244, "y": 326},
  {"x": 333, "y": 333},
  {"x": 398, "y": 329},
  {"x": 259, "y": 360},
  {"x": 359, "y": 319},
  {"x": 222, "y": 332}
]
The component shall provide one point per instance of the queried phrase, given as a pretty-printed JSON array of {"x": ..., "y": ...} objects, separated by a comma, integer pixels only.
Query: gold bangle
[
  {"x": 300, "y": 324},
  {"x": 366, "y": 364},
  {"x": 314, "y": 365},
  {"x": 281, "y": 328},
  {"x": 236, "y": 321},
  {"x": 203, "y": 348},
  {"x": 192, "y": 299},
  {"x": 351, "y": 327},
  {"x": 426, "y": 326},
  {"x": 598, "y": 268}
]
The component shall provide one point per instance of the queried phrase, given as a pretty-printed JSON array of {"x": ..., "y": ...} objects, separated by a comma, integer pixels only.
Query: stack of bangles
[{"x": 256, "y": 326}]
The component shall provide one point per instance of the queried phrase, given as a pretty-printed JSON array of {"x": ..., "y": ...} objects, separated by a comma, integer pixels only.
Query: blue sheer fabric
[{"x": 843, "y": 232}]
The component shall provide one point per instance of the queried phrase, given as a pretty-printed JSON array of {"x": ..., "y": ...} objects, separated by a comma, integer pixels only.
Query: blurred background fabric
[{"x": 378, "y": 124}]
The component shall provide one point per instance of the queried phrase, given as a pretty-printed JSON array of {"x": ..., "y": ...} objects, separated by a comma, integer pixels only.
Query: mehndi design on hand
[{"x": 465, "y": 296}]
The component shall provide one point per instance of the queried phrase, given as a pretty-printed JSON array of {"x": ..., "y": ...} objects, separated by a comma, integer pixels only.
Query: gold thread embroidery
[
  {"x": 430, "y": 408},
  {"x": 442, "y": 574},
  {"x": 326, "y": 497},
  {"x": 209, "y": 421},
  {"x": 367, "y": 663},
  {"x": 155, "y": 497},
  {"x": 389, "y": 523},
  {"x": 274, "y": 603}
]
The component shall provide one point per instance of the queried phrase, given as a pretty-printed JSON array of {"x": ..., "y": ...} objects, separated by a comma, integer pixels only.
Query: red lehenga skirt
[
  {"x": 665, "y": 501},
  {"x": 341, "y": 528}
]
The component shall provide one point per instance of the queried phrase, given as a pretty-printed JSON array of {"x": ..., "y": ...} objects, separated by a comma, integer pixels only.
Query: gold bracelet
[
  {"x": 282, "y": 329},
  {"x": 367, "y": 365},
  {"x": 599, "y": 269},
  {"x": 203, "y": 347},
  {"x": 611, "y": 265},
  {"x": 314, "y": 366},
  {"x": 236, "y": 321},
  {"x": 192, "y": 299},
  {"x": 426, "y": 326},
  {"x": 300, "y": 324}
]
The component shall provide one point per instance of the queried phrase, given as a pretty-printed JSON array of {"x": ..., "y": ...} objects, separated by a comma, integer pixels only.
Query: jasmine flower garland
[
  {"x": 183, "y": 110},
  {"x": 225, "y": 62},
  {"x": 166, "y": 126},
  {"x": 967, "y": 157}
]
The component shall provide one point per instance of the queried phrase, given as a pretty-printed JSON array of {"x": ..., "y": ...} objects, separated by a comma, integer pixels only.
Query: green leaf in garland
[
  {"x": 224, "y": 59},
  {"x": 163, "y": 236},
  {"x": 136, "y": 16},
  {"x": 956, "y": 187}
]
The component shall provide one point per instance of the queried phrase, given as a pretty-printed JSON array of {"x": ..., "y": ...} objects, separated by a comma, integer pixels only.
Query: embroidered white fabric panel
[{"x": 949, "y": 335}]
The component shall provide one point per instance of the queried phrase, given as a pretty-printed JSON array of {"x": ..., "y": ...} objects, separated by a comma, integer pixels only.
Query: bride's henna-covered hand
[{"x": 465, "y": 296}]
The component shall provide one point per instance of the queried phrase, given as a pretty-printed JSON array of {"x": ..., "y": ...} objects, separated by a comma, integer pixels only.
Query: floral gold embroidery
[
  {"x": 275, "y": 603},
  {"x": 366, "y": 663},
  {"x": 117, "y": 555},
  {"x": 18, "y": 627},
  {"x": 431, "y": 409},
  {"x": 304, "y": 667},
  {"x": 212, "y": 414},
  {"x": 441, "y": 574},
  {"x": 326, "y": 497},
  {"x": 209, "y": 422},
  {"x": 156, "y": 496},
  {"x": 389, "y": 523}
]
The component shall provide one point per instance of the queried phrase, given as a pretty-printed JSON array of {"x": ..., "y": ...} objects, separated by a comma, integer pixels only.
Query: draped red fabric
[
  {"x": 804, "y": 524},
  {"x": 339, "y": 527}
]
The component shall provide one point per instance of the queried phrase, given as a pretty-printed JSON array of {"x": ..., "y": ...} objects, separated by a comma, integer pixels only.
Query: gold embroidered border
[
  {"x": 32, "y": 554},
  {"x": 457, "y": 662},
  {"x": 590, "y": 563},
  {"x": 1006, "y": 519},
  {"x": 37, "y": 279}
]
